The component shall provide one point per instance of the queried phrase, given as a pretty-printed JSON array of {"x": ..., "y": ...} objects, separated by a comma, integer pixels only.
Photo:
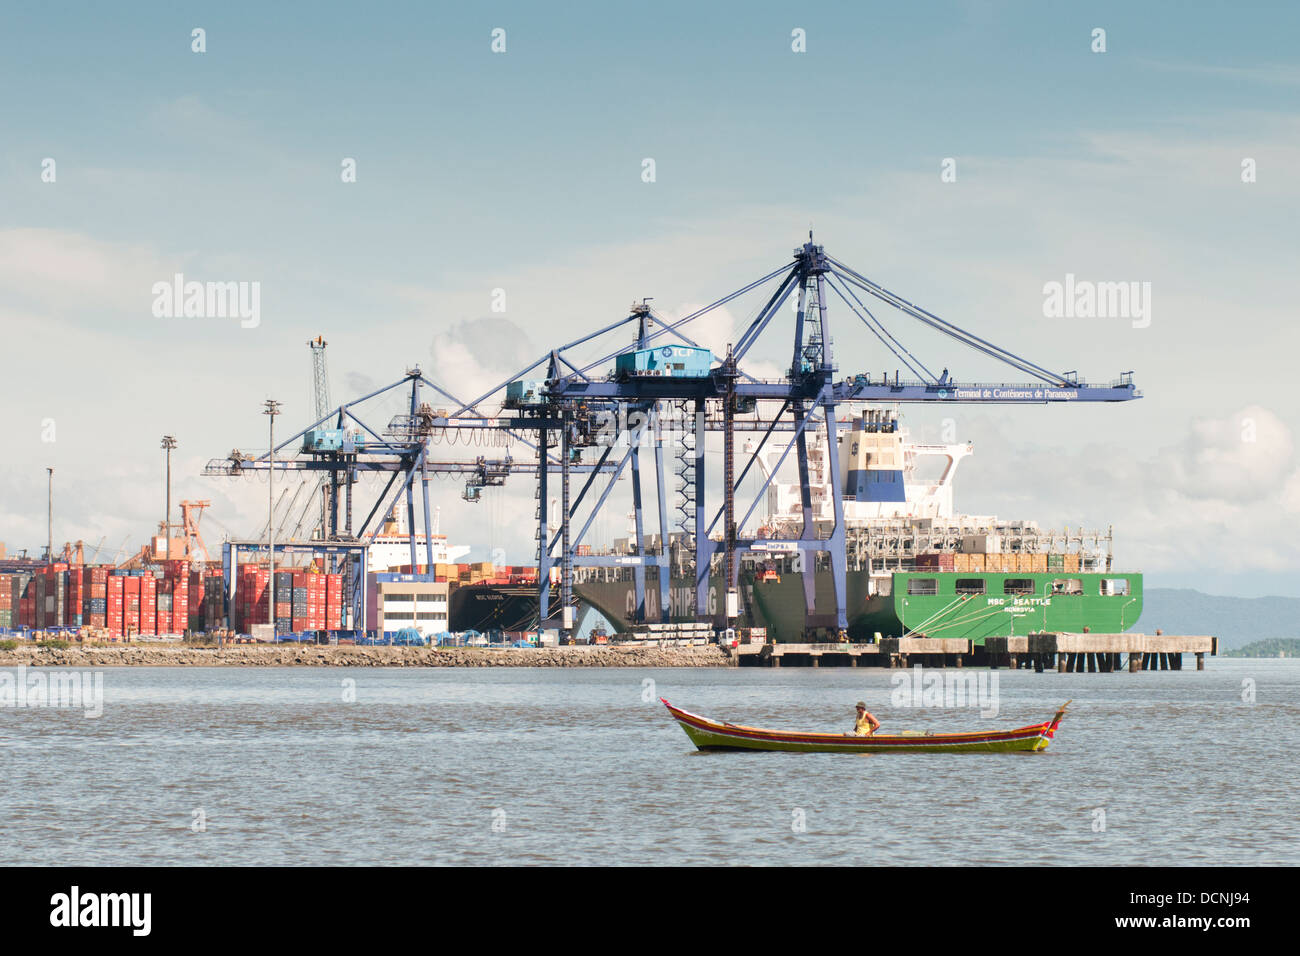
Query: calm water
[{"x": 573, "y": 767}]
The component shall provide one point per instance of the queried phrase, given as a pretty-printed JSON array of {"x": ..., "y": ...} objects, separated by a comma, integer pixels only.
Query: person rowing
[{"x": 866, "y": 724}]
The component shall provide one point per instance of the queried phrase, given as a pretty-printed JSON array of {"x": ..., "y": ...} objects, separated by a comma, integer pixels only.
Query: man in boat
[{"x": 866, "y": 724}]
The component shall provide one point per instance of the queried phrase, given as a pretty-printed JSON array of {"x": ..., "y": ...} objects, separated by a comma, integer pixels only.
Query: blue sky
[{"x": 522, "y": 171}]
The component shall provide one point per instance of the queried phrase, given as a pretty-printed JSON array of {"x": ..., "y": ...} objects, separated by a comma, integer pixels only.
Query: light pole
[
  {"x": 168, "y": 443},
  {"x": 271, "y": 408},
  {"x": 49, "y": 546}
]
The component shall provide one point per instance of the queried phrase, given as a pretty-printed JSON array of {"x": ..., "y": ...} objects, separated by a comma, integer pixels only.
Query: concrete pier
[
  {"x": 1064, "y": 653},
  {"x": 807, "y": 655}
]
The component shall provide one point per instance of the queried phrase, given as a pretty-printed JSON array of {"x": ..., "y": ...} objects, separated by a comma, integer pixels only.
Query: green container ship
[
  {"x": 922, "y": 603},
  {"x": 915, "y": 567}
]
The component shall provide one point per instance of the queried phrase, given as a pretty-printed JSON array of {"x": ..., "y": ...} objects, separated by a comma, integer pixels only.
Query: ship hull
[
  {"x": 485, "y": 608},
  {"x": 1009, "y": 604}
]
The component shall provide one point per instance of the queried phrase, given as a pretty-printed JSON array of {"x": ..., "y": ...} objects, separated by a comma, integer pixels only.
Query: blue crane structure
[
  {"x": 340, "y": 445},
  {"x": 564, "y": 408},
  {"x": 578, "y": 406}
]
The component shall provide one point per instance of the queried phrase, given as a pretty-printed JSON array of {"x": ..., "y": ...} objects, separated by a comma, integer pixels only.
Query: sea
[{"x": 496, "y": 766}]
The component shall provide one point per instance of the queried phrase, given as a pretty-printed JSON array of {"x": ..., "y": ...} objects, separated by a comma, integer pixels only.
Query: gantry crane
[
  {"x": 321, "y": 394},
  {"x": 569, "y": 412},
  {"x": 564, "y": 404},
  {"x": 341, "y": 445}
]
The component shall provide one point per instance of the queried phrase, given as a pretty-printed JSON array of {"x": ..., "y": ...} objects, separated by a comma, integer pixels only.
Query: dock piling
[{"x": 1066, "y": 653}]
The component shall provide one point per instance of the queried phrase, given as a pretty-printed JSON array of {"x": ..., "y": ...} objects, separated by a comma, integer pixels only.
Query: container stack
[
  {"x": 131, "y": 605},
  {"x": 214, "y": 593},
  {"x": 171, "y": 598},
  {"x": 116, "y": 605},
  {"x": 62, "y": 605},
  {"x": 59, "y": 588},
  {"x": 95, "y": 610},
  {"x": 936, "y": 561},
  {"x": 283, "y": 602},
  {"x": 74, "y": 614},
  {"x": 8, "y": 603},
  {"x": 196, "y": 601},
  {"x": 333, "y": 602},
  {"x": 27, "y": 605},
  {"x": 38, "y": 599},
  {"x": 300, "y": 605},
  {"x": 51, "y": 596},
  {"x": 315, "y": 617},
  {"x": 163, "y": 608},
  {"x": 180, "y": 613},
  {"x": 148, "y": 604},
  {"x": 252, "y": 595}
]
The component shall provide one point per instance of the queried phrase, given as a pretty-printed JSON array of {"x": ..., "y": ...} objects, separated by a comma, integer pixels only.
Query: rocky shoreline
[{"x": 308, "y": 655}]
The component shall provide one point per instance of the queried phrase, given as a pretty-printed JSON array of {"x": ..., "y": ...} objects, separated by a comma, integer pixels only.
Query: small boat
[{"x": 709, "y": 734}]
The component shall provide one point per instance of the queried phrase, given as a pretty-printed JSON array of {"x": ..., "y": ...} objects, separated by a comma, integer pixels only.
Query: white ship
[
  {"x": 391, "y": 548},
  {"x": 895, "y": 507}
]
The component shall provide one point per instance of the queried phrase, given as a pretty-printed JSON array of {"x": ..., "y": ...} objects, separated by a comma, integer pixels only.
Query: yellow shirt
[{"x": 862, "y": 726}]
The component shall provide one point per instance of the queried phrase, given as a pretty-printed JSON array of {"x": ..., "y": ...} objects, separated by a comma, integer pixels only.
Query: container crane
[
  {"x": 321, "y": 394},
  {"x": 559, "y": 404},
  {"x": 570, "y": 412}
]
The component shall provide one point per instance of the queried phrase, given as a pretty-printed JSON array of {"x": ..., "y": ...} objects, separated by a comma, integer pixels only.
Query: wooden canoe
[{"x": 709, "y": 734}]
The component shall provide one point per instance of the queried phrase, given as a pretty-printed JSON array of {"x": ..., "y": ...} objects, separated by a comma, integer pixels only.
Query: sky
[{"x": 522, "y": 171}]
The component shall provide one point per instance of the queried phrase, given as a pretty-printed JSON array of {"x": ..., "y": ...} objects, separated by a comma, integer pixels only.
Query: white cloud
[
  {"x": 1241, "y": 458},
  {"x": 69, "y": 272},
  {"x": 1206, "y": 502},
  {"x": 1291, "y": 494},
  {"x": 474, "y": 355}
]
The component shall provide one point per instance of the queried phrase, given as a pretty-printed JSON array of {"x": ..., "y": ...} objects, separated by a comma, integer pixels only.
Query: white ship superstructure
[
  {"x": 391, "y": 548},
  {"x": 891, "y": 513},
  {"x": 878, "y": 471}
]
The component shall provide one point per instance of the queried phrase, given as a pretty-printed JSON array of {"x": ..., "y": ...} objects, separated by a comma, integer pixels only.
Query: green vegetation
[
  {"x": 1273, "y": 647},
  {"x": 54, "y": 644},
  {"x": 8, "y": 645}
]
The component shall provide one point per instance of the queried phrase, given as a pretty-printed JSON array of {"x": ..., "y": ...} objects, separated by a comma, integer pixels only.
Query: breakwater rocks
[{"x": 308, "y": 655}]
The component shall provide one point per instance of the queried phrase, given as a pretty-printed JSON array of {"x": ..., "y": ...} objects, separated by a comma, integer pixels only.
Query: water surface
[{"x": 563, "y": 765}]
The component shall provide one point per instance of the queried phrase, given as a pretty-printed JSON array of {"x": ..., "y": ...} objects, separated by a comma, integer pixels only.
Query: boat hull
[{"x": 710, "y": 735}]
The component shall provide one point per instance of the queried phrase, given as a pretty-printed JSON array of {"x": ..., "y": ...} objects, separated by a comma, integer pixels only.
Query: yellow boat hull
[{"x": 709, "y": 734}]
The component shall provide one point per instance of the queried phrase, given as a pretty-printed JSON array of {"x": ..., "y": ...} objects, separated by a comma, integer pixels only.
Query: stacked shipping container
[
  {"x": 333, "y": 602},
  {"x": 168, "y": 599},
  {"x": 96, "y": 587}
]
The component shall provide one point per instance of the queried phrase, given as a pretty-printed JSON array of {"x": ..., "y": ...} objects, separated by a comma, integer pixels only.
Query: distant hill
[
  {"x": 1235, "y": 621},
  {"x": 1273, "y": 647}
]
